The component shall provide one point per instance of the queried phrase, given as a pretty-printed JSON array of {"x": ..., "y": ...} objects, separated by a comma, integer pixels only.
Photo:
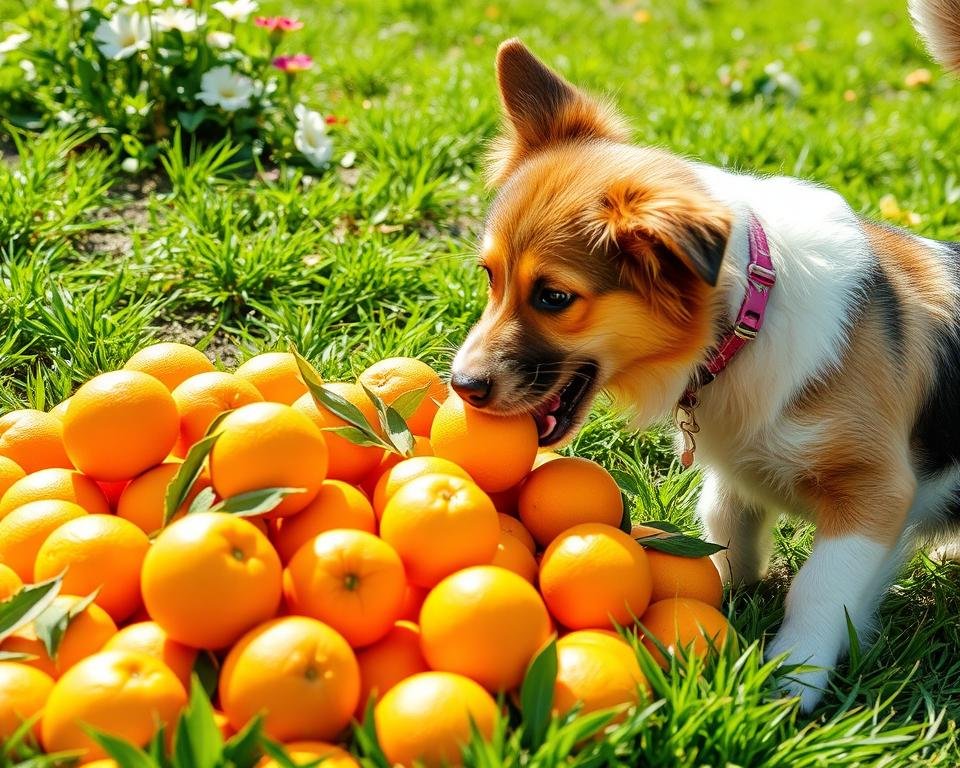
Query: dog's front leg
[
  {"x": 745, "y": 530},
  {"x": 854, "y": 553}
]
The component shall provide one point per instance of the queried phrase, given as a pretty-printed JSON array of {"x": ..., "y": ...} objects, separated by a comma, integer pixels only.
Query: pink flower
[
  {"x": 278, "y": 23},
  {"x": 299, "y": 62}
]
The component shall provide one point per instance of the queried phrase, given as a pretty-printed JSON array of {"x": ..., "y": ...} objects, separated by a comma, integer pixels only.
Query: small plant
[{"x": 134, "y": 75}]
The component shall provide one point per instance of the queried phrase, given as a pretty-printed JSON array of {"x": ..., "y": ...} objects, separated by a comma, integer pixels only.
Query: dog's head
[{"x": 602, "y": 259}]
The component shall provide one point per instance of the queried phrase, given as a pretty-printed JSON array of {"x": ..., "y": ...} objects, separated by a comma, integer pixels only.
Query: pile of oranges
[{"x": 423, "y": 583}]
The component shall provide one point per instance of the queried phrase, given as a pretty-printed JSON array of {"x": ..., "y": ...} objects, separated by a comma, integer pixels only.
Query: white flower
[
  {"x": 123, "y": 35},
  {"x": 224, "y": 88},
  {"x": 238, "y": 10},
  {"x": 14, "y": 41},
  {"x": 130, "y": 164},
  {"x": 72, "y": 5},
  {"x": 220, "y": 39},
  {"x": 29, "y": 70},
  {"x": 311, "y": 136},
  {"x": 182, "y": 19}
]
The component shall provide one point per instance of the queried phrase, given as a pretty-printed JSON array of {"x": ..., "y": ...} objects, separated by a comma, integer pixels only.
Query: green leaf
[
  {"x": 16, "y": 656},
  {"x": 536, "y": 694},
  {"x": 187, "y": 474},
  {"x": 198, "y": 742},
  {"x": 203, "y": 501},
  {"x": 126, "y": 754},
  {"x": 406, "y": 403},
  {"x": 191, "y": 120},
  {"x": 626, "y": 522},
  {"x": 679, "y": 544},
  {"x": 663, "y": 525},
  {"x": 366, "y": 737},
  {"x": 399, "y": 434},
  {"x": 207, "y": 669},
  {"x": 256, "y": 502},
  {"x": 355, "y": 436},
  {"x": 243, "y": 748},
  {"x": 52, "y": 624},
  {"x": 359, "y": 431},
  {"x": 27, "y": 604},
  {"x": 627, "y": 481}
]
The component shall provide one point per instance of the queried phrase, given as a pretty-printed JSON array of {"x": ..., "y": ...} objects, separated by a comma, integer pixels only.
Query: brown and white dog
[{"x": 619, "y": 268}]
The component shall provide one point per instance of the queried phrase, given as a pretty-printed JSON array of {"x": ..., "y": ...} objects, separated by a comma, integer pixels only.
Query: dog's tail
[{"x": 938, "y": 22}]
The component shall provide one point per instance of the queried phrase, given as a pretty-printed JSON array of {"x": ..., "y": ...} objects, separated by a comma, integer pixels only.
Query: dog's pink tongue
[{"x": 549, "y": 422}]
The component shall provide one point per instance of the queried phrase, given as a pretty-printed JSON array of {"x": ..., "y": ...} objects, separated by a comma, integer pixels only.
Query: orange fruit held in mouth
[{"x": 496, "y": 451}]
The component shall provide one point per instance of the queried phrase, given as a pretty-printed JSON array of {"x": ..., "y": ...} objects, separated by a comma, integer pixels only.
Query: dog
[{"x": 811, "y": 357}]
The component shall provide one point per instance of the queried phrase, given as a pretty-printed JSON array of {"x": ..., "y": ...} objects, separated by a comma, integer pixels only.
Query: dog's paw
[{"x": 809, "y": 680}]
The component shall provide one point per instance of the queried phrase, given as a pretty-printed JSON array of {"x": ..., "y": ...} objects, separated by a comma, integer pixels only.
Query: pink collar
[{"x": 761, "y": 277}]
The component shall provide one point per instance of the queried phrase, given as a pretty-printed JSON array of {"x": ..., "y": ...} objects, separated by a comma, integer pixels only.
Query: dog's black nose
[{"x": 475, "y": 391}]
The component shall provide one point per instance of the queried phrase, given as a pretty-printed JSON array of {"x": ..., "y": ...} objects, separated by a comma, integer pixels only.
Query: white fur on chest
[{"x": 823, "y": 260}]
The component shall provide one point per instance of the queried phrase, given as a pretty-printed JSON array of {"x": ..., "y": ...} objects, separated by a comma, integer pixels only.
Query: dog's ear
[
  {"x": 542, "y": 109},
  {"x": 656, "y": 224}
]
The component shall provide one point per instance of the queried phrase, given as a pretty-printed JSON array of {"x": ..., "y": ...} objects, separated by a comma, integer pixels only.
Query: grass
[{"x": 375, "y": 259}]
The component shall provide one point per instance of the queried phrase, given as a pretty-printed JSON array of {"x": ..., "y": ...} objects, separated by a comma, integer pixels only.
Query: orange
[
  {"x": 566, "y": 492},
  {"x": 24, "y": 530},
  {"x": 421, "y": 447},
  {"x": 513, "y": 555},
  {"x": 390, "y": 378},
  {"x": 395, "y": 657},
  {"x": 337, "y": 505},
  {"x": 60, "y": 409},
  {"x": 120, "y": 424},
  {"x": 104, "y": 763},
  {"x": 496, "y": 451},
  {"x": 142, "y": 501},
  {"x": 201, "y": 398},
  {"x": 610, "y": 640},
  {"x": 485, "y": 623},
  {"x": 33, "y": 439},
  {"x": 10, "y": 472},
  {"x": 407, "y": 470},
  {"x": 275, "y": 375},
  {"x": 351, "y": 580},
  {"x": 86, "y": 634},
  {"x": 148, "y": 637},
  {"x": 223, "y": 724},
  {"x": 123, "y": 693},
  {"x": 681, "y": 622},
  {"x": 297, "y": 671},
  {"x": 97, "y": 551},
  {"x": 10, "y": 582},
  {"x": 23, "y": 693},
  {"x": 507, "y": 501},
  {"x": 412, "y": 603},
  {"x": 269, "y": 445},
  {"x": 439, "y": 524},
  {"x": 593, "y": 575},
  {"x": 56, "y": 483},
  {"x": 309, "y": 752},
  {"x": 595, "y": 676},
  {"x": 169, "y": 362},
  {"x": 515, "y": 528},
  {"x": 210, "y": 577},
  {"x": 430, "y": 717},
  {"x": 679, "y": 576},
  {"x": 348, "y": 461}
]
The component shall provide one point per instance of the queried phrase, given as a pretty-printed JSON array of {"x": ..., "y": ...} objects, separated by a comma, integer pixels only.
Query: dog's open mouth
[{"x": 558, "y": 414}]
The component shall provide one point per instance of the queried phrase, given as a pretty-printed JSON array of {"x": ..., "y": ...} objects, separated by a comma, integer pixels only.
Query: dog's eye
[{"x": 552, "y": 300}]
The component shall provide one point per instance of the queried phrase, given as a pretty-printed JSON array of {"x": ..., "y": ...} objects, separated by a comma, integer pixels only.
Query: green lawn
[{"x": 376, "y": 259}]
